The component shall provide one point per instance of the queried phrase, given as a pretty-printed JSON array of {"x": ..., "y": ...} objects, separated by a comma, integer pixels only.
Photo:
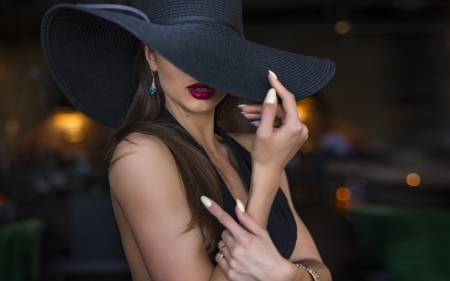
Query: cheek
[
  {"x": 166, "y": 83},
  {"x": 167, "y": 80}
]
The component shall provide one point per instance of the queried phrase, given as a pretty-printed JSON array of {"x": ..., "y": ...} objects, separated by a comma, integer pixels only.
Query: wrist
[
  {"x": 266, "y": 176},
  {"x": 271, "y": 167},
  {"x": 294, "y": 273}
]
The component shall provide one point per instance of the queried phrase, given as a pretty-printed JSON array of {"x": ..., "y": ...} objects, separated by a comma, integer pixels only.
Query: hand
[
  {"x": 274, "y": 147},
  {"x": 248, "y": 252}
]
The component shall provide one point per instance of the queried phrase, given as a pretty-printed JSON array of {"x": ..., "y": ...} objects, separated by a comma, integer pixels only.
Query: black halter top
[{"x": 281, "y": 224}]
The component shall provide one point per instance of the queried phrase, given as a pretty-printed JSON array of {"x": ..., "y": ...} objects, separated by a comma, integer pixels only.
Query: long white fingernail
[
  {"x": 273, "y": 74},
  {"x": 206, "y": 201},
  {"x": 241, "y": 206},
  {"x": 242, "y": 105},
  {"x": 271, "y": 96}
]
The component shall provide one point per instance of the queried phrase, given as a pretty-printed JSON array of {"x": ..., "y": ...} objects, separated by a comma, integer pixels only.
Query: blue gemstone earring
[{"x": 153, "y": 87}]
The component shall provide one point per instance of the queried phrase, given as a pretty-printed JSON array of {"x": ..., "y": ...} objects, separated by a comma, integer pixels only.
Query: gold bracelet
[{"x": 311, "y": 271}]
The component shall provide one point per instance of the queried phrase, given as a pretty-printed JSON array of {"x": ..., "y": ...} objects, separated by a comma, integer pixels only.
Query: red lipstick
[{"x": 200, "y": 91}]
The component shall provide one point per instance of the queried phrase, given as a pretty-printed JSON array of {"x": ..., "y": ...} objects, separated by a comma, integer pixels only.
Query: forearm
[{"x": 263, "y": 188}]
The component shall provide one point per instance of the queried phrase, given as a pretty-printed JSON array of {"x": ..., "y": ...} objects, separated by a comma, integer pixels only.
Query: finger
[
  {"x": 223, "y": 217},
  {"x": 252, "y": 116},
  {"x": 222, "y": 262},
  {"x": 280, "y": 111},
  {"x": 247, "y": 221},
  {"x": 221, "y": 244},
  {"x": 254, "y": 108},
  {"x": 225, "y": 252},
  {"x": 287, "y": 98},
  {"x": 276, "y": 123},
  {"x": 268, "y": 113},
  {"x": 228, "y": 239}
]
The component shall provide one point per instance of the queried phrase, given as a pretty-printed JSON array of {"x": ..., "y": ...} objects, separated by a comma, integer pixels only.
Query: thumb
[{"x": 268, "y": 112}]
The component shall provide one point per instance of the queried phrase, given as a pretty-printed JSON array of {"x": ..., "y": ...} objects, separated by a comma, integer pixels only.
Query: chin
[
  {"x": 210, "y": 103},
  {"x": 203, "y": 106}
]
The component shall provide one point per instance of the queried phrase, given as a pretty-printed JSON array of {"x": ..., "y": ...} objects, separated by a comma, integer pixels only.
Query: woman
[{"x": 174, "y": 173}]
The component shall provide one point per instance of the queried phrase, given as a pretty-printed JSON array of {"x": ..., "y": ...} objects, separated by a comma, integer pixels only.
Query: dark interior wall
[
  {"x": 21, "y": 95},
  {"x": 364, "y": 83},
  {"x": 385, "y": 85},
  {"x": 440, "y": 55}
]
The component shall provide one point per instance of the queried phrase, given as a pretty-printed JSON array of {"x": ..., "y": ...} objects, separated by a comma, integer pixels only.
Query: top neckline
[{"x": 242, "y": 161}]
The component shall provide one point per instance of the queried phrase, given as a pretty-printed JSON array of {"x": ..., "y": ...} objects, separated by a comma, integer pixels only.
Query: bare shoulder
[
  {"x": 137, "y": 144},
  {"x": 244, "y": 139},
  {"x": 142, "y": 162},
  {"x": 136, "y": 158}
]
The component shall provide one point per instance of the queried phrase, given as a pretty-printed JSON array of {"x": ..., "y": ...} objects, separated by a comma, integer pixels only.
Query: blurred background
[{"x": 372, "y": 183}]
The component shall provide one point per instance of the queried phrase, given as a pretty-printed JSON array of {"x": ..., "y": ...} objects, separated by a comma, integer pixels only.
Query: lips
[{"x": 200, "y": 91}]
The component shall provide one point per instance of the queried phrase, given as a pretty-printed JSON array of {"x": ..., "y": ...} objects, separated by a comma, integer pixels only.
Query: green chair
[
  {"x": 411, "y": 244},
  {"x": 20, "y": 250}
]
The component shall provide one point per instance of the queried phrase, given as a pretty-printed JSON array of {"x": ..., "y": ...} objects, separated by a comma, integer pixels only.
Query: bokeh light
[
  {"x": 308, "y": 103},
  {"x": 413, "y": 179},
  {"x": 70, "y": 124},
  {"x": 302, "y": 114},
  {"x": 73, "y": 136},
  {"x": 342, "y": 27},
  {"x": 343, "y": 194}
]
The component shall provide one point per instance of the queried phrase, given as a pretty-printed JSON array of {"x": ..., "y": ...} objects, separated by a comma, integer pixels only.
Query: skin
[{"x": 152, "y": 210}]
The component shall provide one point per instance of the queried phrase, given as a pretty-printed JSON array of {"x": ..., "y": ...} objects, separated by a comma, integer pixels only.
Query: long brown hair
[{"x": 196, "y": 170}]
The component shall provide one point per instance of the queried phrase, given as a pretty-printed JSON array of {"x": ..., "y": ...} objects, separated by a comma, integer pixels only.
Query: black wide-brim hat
[{"x": 91, "y": 52}]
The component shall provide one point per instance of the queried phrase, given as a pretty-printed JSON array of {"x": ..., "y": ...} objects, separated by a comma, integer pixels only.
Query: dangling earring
[{"x": 153, "y": 87}]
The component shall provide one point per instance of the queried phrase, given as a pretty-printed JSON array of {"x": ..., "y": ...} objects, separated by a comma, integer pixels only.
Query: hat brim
[{"x": 92, "y": 55}]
